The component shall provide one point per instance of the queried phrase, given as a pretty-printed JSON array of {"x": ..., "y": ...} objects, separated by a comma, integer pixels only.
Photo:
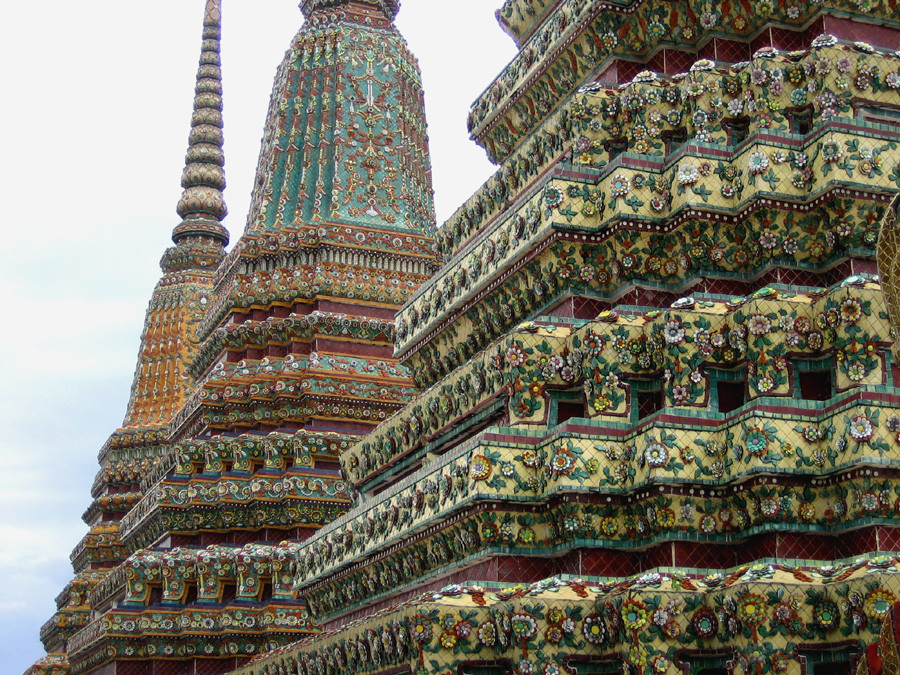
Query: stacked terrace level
[
  {"x": 287, "y": 361},
  {"x": 659, "y": 353}
]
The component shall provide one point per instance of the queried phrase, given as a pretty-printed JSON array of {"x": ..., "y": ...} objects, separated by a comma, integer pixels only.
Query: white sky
[{"x": 94, "y": 129}]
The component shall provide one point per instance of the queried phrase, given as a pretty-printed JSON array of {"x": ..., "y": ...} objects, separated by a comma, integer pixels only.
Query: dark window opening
[
  {"x": 615, "y": 147},
  {"x": 650, "y": 402},
  {"x": 190, "y": 595},
  {"x": 566, "y": 404},
  {"x": 710, "y": 663},
  {"x": 265, "y": 590},
  {"x": 674, "y": 139},
  {"x": 873, "y": 114},
  {"x": 256, "y": 465},
  {"x": 838, "y": 661},
  {"x": 197, "y": 468},
  {"x": 801, "y": 120},
  {"x": 227, "y": 593},
  {"x": 328, "y": 465},
  {"x": 738, "y": 130},
  {"x": 731, "y": 394},
  {"x": 227, "y": 467},
  {"x": 815, "y": 385},
  {"x": 287, "y": 462},
  {"x": 452, "y": 438},
  {"x": 566, "y": 410},
  {"x": 156, "y": 595}
]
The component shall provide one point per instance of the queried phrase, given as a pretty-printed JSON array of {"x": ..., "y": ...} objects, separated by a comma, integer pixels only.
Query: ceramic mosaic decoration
[{"x": 633, "y": 408}]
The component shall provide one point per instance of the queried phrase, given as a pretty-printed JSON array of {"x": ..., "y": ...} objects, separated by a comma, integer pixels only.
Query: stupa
[
  {"x": 259, "y": 368},
  {"x": 637, "y": 407}
]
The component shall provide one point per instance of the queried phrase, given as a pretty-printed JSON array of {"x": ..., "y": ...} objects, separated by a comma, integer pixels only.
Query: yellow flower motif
[
  {"x": 634, "y": 614},
  {"x": 637, "y": 655},
  {"x": 878, "y": 602},
  {"x": 752, "y": 609}
]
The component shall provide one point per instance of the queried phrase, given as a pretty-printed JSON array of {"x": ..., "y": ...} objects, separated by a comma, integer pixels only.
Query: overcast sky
[{"x": 95, "y": 123}]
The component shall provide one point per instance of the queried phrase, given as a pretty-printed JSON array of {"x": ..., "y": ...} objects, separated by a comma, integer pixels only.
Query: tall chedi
[
  {"x": 168, "y": 345},
  {"x": 658, "y": 426},
  {"x": 258, "y": 370}
]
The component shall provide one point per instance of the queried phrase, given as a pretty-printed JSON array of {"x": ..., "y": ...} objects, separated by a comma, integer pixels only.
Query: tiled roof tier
[
  {"x": 756, "y": 617},
  {"x": 712, "y": 188},
  {"x": 598, "y": 357},
  {"x": 582, "y": 40}
]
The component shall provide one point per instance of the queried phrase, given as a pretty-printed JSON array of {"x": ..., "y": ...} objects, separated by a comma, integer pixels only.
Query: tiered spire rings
[{"x": 202, "y": 205}]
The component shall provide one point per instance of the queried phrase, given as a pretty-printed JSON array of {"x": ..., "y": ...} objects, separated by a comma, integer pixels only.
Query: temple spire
[{"x": 202, "y": 205}]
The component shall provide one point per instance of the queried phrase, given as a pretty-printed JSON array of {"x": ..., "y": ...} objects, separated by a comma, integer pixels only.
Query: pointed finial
[{"x": 202, "y": 205}]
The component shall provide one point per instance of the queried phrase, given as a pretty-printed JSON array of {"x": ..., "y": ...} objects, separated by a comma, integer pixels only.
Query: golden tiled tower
[{"x": 655, "y": 425}]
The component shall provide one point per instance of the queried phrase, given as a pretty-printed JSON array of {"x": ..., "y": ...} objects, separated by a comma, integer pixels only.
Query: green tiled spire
[{"x": 345, "y": 140}]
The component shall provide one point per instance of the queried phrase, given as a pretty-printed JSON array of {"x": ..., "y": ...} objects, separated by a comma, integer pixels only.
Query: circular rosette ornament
[
  {"x": 705, "y": 623},
  {"x": 751, "y": 609},
  {"x": 634, "y": 614},
  {"x": 593, "y": 344},
  {"x": 562, "y": 463},
  {"x": 827, "y": 615},
  {"x": 832, "y": 151},
  {"x": 688, "y": 174},
  {"x": 758, "y": 163},
  {"x": 594, "y": 630},
  {"x": 487, "y": 634},
  {"x": 553, "y": 197},
  {"x": 861, "y": 428},
  {"x": 420, "y": 628},
  {"x": 878, "y": 602},
  {"x": 524, "y": 627},
  {"x": 757, "y": 441},
  {"x": 620, "y": 185},
  {"x": 480, "y": 468},
  {"x": 656, "y": 455}
]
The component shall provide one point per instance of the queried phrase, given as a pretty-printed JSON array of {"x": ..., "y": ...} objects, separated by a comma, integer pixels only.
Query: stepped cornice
[
  {"x": 579, "y": 42},
  {"x": 388, "y": 7}
]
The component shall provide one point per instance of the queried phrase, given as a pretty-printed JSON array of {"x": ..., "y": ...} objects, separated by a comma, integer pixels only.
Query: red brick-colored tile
[
  {"x": 628, "y": 70},
  {"x": 700, "y": 555},
  {"x": 127, "y": 668},
  {"x": 172, "y": 667},
  {"x": 677, "y": 61},
  {"x": 731, "y": 51},
  {"x": 761, "y": 546},
  {"x": 856, "y": 543},
  {"x": 805, "y": 546},
  {"x": 852, "y": 30},
  {"x": 607, "y": 563},
  {"x": 588, "y": 308},
  {"x": 787, "y": 40},
  {"x": 522, "y": 569},
  {"x": 889, "y": 538}
]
